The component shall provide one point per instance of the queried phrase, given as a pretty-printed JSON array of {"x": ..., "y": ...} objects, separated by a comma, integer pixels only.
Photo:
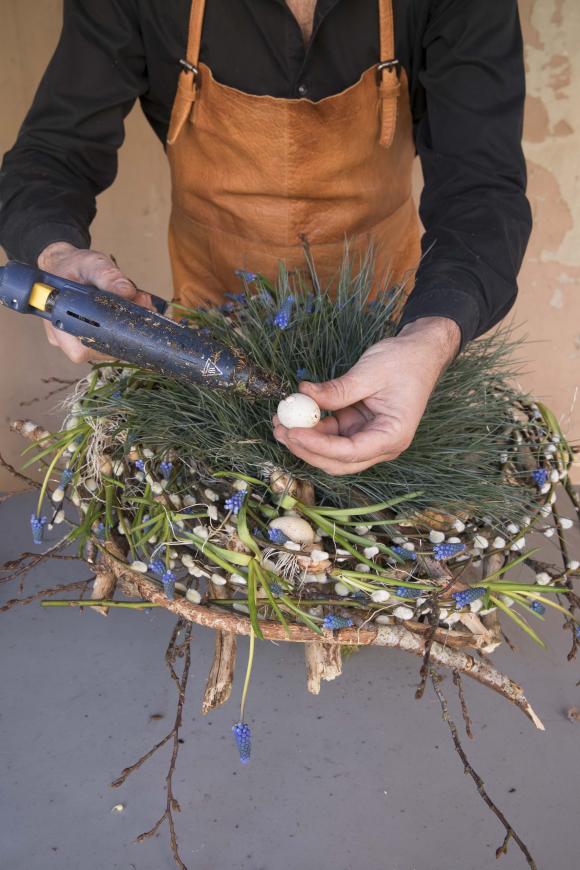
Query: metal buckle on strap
[
  {"x": 390, "y": 65},
  {"x": 189, "y": 67}
]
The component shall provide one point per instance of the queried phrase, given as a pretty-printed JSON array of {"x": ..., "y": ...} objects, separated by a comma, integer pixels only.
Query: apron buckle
[
  {"x": 393, "y": 64},
  {"x": 189, "y": 67}
]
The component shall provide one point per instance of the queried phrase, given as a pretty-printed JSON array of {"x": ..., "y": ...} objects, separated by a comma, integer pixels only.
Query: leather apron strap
[{"x": 387, "y": 72}]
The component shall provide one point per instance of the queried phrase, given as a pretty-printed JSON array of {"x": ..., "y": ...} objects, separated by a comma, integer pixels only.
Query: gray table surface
[{"x": 361, "y": 776}]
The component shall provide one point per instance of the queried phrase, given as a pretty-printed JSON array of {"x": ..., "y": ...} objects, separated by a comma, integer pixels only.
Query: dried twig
[
  {"x": 174, "y": 651},
  {"x": 45, "y": 593},
  {"x": 568, "y": 623},
  {"x": 510, "y": 833},
  {"x": 17, "y": 474},
  {"x": 464, "y": 711}
]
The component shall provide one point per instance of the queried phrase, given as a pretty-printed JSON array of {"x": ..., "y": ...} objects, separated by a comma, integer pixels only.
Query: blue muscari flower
[
  {"x": 165, "y": 468},
  {"x": 243, "y": 737},
  {"x": 157, "y": 566},
  {"x": 284, "y": 314},
  {"x": 466, "y": 596},
  {"x": 578, "y": 632},
  {"x": 538, "y": 607},
  {"x": 240, "y": 298},
  {"x": 100, "y": 531},
  {"x": 37, "y": 525},
  {"x": 404, "y": 553},
  {"x": 66, "y": 478},
  {"x": 116, "y": 395},
  {"x": 447, "y": 551},
  {"x": 303, "y": 375},
  {"x": 309, "y": 304},
  {"x": 247, "y": 276},
  {"x": 277, "y": 536},
  {"x": 235, "y": 502},
  {"x": 359, "y": 595},
  {"x": 168, "y": 580},
  {"x": 139, "y": 465},
  {"x": 540, "y": 476},
  {"x": 276, "y": 589},
  {"x": 227, "y": 307},
  {"x": 335, "y": 622},
  {"x": 407, "y": 592}
]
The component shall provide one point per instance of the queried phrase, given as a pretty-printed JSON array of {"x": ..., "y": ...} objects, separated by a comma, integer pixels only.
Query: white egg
[
  {"x": 379, "y": 596},
  {"x": 295, "y": 528},
  {"x": 193, "y": 596},
  {"x": 298, "y": 410}
]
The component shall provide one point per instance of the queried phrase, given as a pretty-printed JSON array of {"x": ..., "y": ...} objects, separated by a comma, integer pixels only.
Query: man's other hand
[
  {"x": 378, "y": 404},
  {"x": 85, "y": 267}
]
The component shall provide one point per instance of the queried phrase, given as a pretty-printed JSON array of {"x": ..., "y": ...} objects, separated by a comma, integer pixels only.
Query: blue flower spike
[
  {"x": 303, "y": 374},
  {"x": 157, "y": 566},
  {"x": 405, "y": 553},
  {"x": 139, "y": 465},
  {"x": 284, "y": 314},
  {"x": 447, "y": 551},
  {"x": 234, "y": 502},
  {"x": 37, "y": 525},
  {"x": 165, "y": 468},
  {"x": 277, "y": 536},
  {"x": 66, "y": 478},
  {"x": 168, "y": 580},
  {"x": 540, "y": 476},
  {"x": 466, "y": 596},
  {"x": 243, "y": 737},
  {"x": 578, "y": 632},
  {"x": 407, "y": 592},
  {"x": 538, "y": 607},
  {"x": 333, "y": 623},
  {"x": 248, "y": 277}
]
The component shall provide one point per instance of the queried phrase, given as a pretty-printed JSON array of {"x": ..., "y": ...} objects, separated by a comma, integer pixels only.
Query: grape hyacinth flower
[
  {"x": 447, "y": 551},
  {"x": 540, "y": 476},
  {"x": 277, "y": 536},
  {"x": 243, "y": 737},
  {"x": 276, "y": 590},
  {"x": 165, "y": 468},
  {"x": 65, "y": 478},
  {"x": 578, "y": 632},
  {"x": 333, "y": 622},
  {"x": 100, "y": 531},
  {"x": 407, "y": 592},
  {"x": 139, "y": 465},
  {"x": 538, "y": 607},
  {"x": 37, "y": 525},
  {"x": 157, "y": 566},
  {"x": 168, "y": 580},
  {"x": 303, "y": 374},
  {"x": 284, "y": 314},
  {"x": 235, "y": 502},
  {"x": 240, "y": 298},
  {"x": 246, "y": 276},
  {"x": 466, "y": 596},
  {"x": 405, "y": 553}
]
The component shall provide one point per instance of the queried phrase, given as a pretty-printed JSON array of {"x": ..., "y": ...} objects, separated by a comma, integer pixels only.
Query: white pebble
[
  {"x": 341, "y": 590},
  {"x": 453, "y": 540},
  {"x": 546, "y": 510},
  {"x": 550, "y": 450},
  {"x": 518, "y": 545},
  {"x": 118, "y": 468},
  {"x": 403, "y": 612},
  {"x": 240, "y": 485},
  {"x": 120, "y": 528},
  {"x": 379, "y": 596},
  {"x": 293, "y": 546},
  {"x": 156, "y": 488},
  {"x": 201, "y": 532},
  {"x": 187, "y": 560},
  {"x": 384, "y": 619},
  {"x": 552, "y": 498},
  {"x": 506, "y": 600},
  {"x": 512, "y": 529},
  {"x": 181, "y": 587},
  {"x": 238, "y": 579},
  {"x": 498, "y": 543},
  {"x": 58, "y": 495},
  {"x": 189, "y": 501},
  {"x": 566, "y": 523},
  {"x": 399, "y": 541},
  {"x": 212, "y": 513},
  {"x": 141, "y": 567},
  {"x": 340, "y": 552},
  {"x": 28, "y": 427},
  {"x": 72, "y": 423},
  {"x": 554, "y": 475},
  {"x": 175, "y": 499},
  {"x": 362, "y": 530},
  {"x": 91, "y": 484},
  {"x": 481, "y": 542},
  {"x": 148, "y": 453},
  {"x": 216, "y": 579},
  {"x": 443, "y": 613},
  {"x": 196, "y": 571},
  {"x": 572, "y": 565},
  {"x": 436, "y": 537},
  {"x": 364, "y": 569},
  {"x": 318, "y": 555},
  {"x": 371, "y": 552},
  {"x": 545, "y": 488},
  {"x": 526, "y": 521},
  {"x": 211, "y": 495},
  {"x": 549, "y": 533},
  {"x": 193, "y": 596},
  {"x": 58, "y": 518},
  {"x": 152, "y": 539},
  {"x": 543, "y": 578},
  {"x": 475, "y": 606},
  {"x": 242, "y": 608},
  {"x": 298, "y": 410},
  {"x": 459, "y": 526}
]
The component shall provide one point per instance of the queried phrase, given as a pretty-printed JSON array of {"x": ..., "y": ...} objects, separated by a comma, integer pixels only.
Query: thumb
[
  {"x": 340, "y": 392},
  {"x": 100, "y": 271}
]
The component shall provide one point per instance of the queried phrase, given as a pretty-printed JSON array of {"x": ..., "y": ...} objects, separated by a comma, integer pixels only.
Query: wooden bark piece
[
  {"x": 103, "y": 588},
  {"x": 221, "y": 675},
  {"x": 323, "y": 662}
]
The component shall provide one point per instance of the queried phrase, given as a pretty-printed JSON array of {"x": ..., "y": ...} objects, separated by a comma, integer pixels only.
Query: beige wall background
[{"x": 133, "y": 215}]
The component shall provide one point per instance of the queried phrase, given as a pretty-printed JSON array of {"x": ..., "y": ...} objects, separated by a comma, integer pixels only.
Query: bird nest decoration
[{"x": 185, "y": 500}]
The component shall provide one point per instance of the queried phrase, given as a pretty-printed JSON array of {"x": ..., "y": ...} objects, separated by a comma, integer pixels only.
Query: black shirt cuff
[
  {"x": 443, "y": 301},
  {"x": 34, "y": 240}
]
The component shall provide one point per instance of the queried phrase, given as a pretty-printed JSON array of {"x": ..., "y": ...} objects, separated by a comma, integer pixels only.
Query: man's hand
[
  {"x": 85, "y": 267},
  {"x": 378, "y": 404}
]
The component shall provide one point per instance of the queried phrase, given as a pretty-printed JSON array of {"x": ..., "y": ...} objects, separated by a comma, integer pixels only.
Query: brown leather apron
[{"x": 253, "y": 176}]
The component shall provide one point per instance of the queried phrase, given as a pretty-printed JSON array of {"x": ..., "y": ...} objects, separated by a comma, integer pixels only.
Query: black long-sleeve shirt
[{"x": 465, "y": 68}]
